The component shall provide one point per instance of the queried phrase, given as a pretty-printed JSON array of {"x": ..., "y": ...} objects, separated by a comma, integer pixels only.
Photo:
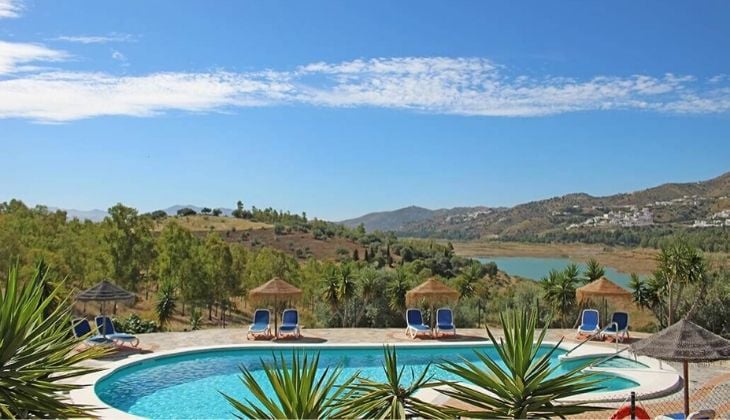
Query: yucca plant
[
  {"x": 392, "y": 399},
  {"x": 166, "y": 303},
  {"x": 527, "y": 387},
  {"x": 196, "y": 319},
  {"x": 298, "y": 391},
  {"x": 36, "y": 357}
]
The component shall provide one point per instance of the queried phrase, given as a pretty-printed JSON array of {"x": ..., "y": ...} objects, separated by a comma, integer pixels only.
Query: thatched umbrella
[
  {"x": 274, "y": 289},
  {"x": 603, "y": 288},
  {"x": 684, "y": 342},
  {"x": 432, "y": 291},
  {"x": 104, "y": 291}
]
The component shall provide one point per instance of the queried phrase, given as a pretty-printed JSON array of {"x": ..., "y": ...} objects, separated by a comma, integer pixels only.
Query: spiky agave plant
[
  {"x": 36, "y": 358},
  {"x": 299, "y": 392},
  {"x": 392, "y": 399},
  {"x": 527, "y": 387}
]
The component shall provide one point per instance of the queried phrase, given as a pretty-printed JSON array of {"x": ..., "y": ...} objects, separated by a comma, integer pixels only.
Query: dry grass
[
  {"x": 293, "y": 241},
  {"x": 202, "y": 223}
]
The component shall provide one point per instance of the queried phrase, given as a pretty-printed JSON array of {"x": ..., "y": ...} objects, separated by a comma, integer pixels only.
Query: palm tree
[
  {"x": 346, "y": 290},
  {"x": 467, "y": 281},
  {"x": 527, "y": 387},
  {"x": 298, "y": 391},
  {"x": 166, "y": 303},
  {"x": 594, "y": 270},
  {"x": 572, "y": 273},
  {"x": 397, "y": 289},
  {"x": 331, "y": 294},
  {"x": 392, "y": 399},
  {"x": 36, "y": 358},
  {"x": 369, "y": 287},
  {"x": 559, "y": 292},
  {"x": 679, "y": 265},
  {"x": 639, "y": 291}
]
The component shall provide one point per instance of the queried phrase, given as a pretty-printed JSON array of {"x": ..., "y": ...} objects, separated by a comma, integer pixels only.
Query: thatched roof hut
[
  {"x": 104, "y": 291},
  {"x": 684, "y": 342},
  {"x": 601, "y": 287},
  {"x": 275, "y": 288},
  {"x": 433, "y": 291}
]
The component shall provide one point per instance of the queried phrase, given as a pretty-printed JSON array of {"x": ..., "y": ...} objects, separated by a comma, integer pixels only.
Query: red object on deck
[{"x": 625, "y": 413}]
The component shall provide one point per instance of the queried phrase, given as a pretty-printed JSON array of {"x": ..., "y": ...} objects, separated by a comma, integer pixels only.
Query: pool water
[{"x": 188, "y": 385}]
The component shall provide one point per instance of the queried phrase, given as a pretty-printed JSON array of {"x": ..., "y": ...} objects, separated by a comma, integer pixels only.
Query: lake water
[{"x": 537, "y": 268}]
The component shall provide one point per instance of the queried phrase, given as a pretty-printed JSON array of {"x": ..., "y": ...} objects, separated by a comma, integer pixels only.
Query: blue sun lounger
[
  {"x": 81, "y": 328},
  {"x": 290, "y": 323},
  {"x": 619, "y": 327},
  {"x": 589, "y": 323},
  {"x": 414, "y": 323},
  {"x": 445, "y": 321},
  {"x": 260, "y": 326},
  {"x": 106, "y": 327}
]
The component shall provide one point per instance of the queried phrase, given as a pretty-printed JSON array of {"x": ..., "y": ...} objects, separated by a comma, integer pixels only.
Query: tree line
[
  {"x": 710, "y": 239},
  {"x": 186, "y": 272}
]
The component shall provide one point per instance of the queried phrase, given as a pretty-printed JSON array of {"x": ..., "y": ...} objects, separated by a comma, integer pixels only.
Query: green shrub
[{"x": 135, "y": 325}]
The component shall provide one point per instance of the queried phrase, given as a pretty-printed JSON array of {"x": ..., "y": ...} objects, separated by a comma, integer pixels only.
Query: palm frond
[
  {"x": 526, "y": 387},
  {"x": 299, "y": 392},
  {"x": 392, "y": 399},
  {"x": 36, "y": 349}
]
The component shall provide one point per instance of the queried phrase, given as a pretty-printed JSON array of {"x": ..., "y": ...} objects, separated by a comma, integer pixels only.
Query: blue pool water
[{"x": 188, "y": 385}]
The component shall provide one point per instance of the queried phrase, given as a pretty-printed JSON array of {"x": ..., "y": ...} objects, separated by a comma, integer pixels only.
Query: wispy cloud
[
  {"x": 14, "y": 54},
  {"x": 70, "y": 96},
  {"x": 442, "y": 85},
  {"x": 10, "y": 8},
  {"x": 96, "y": 39},
  {"x": 118, "y": 56}
]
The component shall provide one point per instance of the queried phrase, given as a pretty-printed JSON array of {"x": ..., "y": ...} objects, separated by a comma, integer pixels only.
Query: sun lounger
[
  {"x": 618, "y": 329},
  {"x": 415, "y": 325},
  {"x": 82, "y": 329},
  {"x": 290, "y": 323},
  {"x": 106, "y": 327},
  {"x": 695, "y": 415},
  {"x": 589, "y": 323},
  {"x": 445, "y": 321},
  {"x": 260, "y": 326}
]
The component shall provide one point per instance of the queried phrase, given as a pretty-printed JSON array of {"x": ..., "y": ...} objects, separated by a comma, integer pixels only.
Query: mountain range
[
  {"x": 672, "y": 203},
  {"x": 667, "y": 204},
  {"x": 97, "y": 215}
]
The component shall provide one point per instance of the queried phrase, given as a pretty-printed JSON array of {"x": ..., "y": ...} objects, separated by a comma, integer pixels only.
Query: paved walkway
[{"x": 709, "y": 384}]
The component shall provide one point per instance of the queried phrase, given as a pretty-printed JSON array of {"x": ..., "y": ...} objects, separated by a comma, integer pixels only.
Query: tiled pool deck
[{"x": 710, "y": 384}]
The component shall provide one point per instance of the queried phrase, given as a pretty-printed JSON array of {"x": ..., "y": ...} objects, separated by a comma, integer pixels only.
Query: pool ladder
[
  {"x": 607, "y": 358},
  {"x": 590, "y": 337}
]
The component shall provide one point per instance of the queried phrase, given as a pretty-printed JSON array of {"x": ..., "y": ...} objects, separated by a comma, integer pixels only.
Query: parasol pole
[
  {"x": 276, "y": 314},
  {"x": 433, "y": 323},
  {"x": 685, "y": 368}
]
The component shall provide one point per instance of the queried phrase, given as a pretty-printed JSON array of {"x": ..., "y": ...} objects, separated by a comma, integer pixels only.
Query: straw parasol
[
  {"x": 104, "y": 291},
  {"x": 434, "y": 292},
  {"x": 684, "y": 342},
  {"x": 601, "y": 287},
  {"x": 605, "y": 289},
  {"x": 274, "y": 289}
]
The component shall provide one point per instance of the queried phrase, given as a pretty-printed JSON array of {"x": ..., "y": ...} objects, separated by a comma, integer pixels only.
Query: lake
[{"x": 536, "y": 268}]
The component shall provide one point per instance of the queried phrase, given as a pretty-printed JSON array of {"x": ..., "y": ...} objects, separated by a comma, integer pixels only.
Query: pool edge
[{"x": 647, "y": 378}]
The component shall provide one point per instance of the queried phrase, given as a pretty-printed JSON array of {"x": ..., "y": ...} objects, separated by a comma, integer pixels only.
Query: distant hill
[
  {"x": 97, "y": 215},
  {"x": 391, "y": 220},
  {"x": 667, "y": 204},
  {"x": 94, "y": 215},
  {"x": 172, "y": 211}
]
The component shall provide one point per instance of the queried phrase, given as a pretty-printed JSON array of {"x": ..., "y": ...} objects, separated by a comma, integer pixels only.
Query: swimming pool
[{"x": 187, "y": 385}]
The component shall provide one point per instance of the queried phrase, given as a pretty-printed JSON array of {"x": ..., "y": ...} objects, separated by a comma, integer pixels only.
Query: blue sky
[{"x": 341, "y": 108}]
